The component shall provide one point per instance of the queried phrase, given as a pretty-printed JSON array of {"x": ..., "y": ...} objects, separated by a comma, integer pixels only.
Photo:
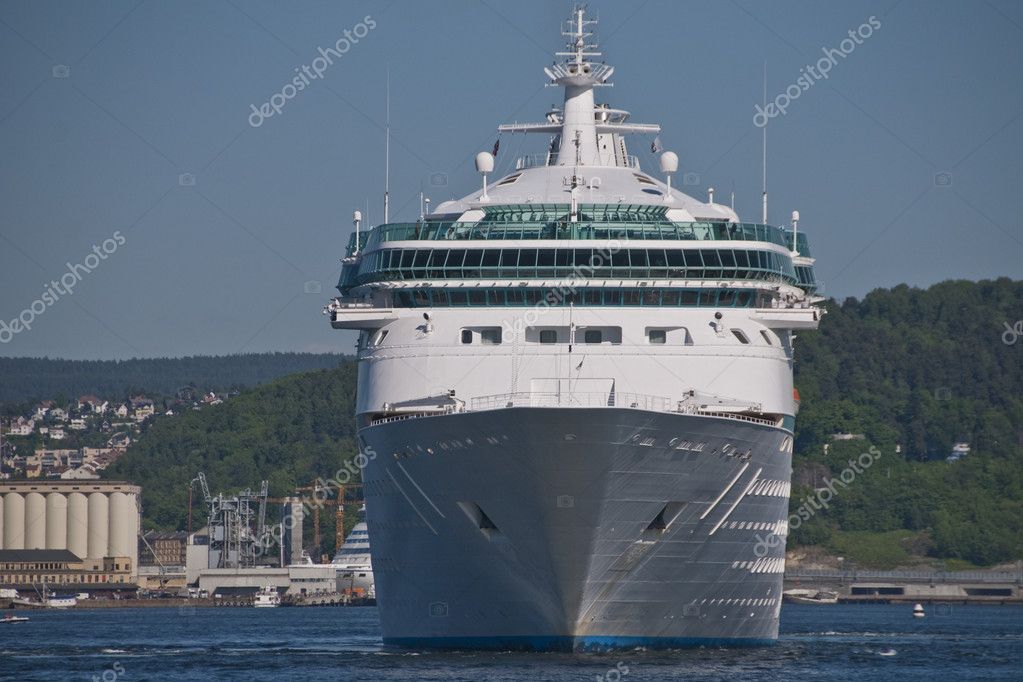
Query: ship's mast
[{"x": 578, "y": 74}]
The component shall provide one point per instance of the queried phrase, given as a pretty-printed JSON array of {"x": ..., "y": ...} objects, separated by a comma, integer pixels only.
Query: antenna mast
[
  {"x": 763, "y": 211},
  {"x": 387, "y": 150}
]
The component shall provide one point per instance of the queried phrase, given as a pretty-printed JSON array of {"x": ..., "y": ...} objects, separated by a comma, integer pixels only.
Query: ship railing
[
  {"x": 858, "y": 575},
  {"x": 546, "y": 159},
  {"x": 532, "y": 161},
  {"x": 575, "y": 399},
  {"x": 348, "y": 303}
]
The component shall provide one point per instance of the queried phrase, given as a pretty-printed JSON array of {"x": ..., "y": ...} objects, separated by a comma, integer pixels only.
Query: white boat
[
  {"x": 918, "y": 611},
  {"x": 267, "y": 598},
  {"x": 810, "y": 596},
  {"x": 54, "y": 602},
  {"x": 13, "y": 619}
]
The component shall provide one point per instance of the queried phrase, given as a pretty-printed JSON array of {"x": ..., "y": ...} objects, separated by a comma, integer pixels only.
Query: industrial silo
[
  {"x": 120, "y": 530},
  {"x": 35, "y": 521},
  {"x": 98, "y": 526},
  {"x": 56, "y": 521},
  {"x": 78, "y": 524},
  {"x": 14, "y": 521}
]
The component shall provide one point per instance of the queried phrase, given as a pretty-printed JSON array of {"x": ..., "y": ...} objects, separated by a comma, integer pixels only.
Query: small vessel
[
  {"x": 918, "y": 611},
  {"x": 13, "y": 619},
  {"x": 887, "y": 652},
  {"x": 810, "y": 597},
  {"x": 267, "y": 597},
  {"x": 54, "y": 602}
]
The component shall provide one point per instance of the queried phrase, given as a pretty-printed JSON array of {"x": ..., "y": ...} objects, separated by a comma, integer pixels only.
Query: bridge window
[
  {"x": 593, "y": 336},
  {"x": 658, "y": 336},
  {"x": 466, "y": 336},
  {"x": 548, "y": 336},
  {"x": 490, "y": 335}
]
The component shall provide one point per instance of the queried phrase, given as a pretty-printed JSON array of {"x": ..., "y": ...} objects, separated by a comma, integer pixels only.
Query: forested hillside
[
  {"x": 33, "y": 379},
  {"x": 923, "y": 368},
  {"x": 911, "y": 370},
  {"x": 916, "y": 371},
  {"x": 289, "y": 432}
]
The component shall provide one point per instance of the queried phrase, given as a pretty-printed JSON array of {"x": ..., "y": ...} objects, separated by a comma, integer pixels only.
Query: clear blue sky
[{"x": 154, "y": 90}]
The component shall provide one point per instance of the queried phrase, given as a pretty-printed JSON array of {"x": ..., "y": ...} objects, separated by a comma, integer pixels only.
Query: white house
[
  {"x": 77, "y": 424},
  {"x": 92, "y": 404},
  {"x": 143, "y": 412},
  {"x": 22, "y": 427}
]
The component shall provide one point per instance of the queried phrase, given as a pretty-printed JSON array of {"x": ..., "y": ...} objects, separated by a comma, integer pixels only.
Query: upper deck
[{"x": 528, "y": 222}]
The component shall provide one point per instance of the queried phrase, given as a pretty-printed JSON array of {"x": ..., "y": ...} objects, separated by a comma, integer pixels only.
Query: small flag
[
  {"x": 655, "y": 146},
  {"x": 497, "y": 145}
]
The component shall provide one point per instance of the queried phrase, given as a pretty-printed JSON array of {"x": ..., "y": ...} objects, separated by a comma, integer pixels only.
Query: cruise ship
[
  {"x": 354, "y": 562},
  {"x": 575, "y": 397}
]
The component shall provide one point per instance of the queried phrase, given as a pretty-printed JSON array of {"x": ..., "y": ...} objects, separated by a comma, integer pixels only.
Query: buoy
[{"x": 918, "y": 611}]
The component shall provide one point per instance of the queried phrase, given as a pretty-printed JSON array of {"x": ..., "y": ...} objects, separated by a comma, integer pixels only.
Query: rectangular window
[
  {"x": 548, "y": 336},
  {"x": 593, "y": 336},
  {"x": 740, "y": 335},
  {"x": 582, "y": 261},
  {"x": 490, "y": 335},
  {"x": 613, "y": 297},
  {"x": 455, "y": 258},
  {"x": 658, "y": 336}
]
